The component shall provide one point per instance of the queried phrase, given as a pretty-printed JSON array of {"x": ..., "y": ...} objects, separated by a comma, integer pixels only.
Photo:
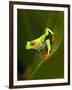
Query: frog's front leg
[{"x": 48, "y": 46}]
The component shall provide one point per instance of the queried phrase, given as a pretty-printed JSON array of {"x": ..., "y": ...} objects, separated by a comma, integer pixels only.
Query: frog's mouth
[{"x": 27, "y": 47}]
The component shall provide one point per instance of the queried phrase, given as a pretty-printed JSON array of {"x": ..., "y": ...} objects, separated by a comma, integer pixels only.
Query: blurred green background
[{"x": 31, "y": 25}]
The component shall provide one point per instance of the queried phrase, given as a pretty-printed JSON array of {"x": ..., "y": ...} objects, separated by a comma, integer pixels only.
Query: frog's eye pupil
[{"x": 32, "y": 43}]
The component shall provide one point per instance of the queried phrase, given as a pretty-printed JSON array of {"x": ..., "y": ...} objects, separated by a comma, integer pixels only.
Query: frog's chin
[{"x": 27, "y": 47}]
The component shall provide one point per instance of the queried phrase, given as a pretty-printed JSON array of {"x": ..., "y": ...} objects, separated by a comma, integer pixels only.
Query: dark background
[{"x": 31, "y": 25}]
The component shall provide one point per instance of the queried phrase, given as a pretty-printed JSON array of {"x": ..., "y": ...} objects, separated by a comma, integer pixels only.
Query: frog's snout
[{"x": 27, "y": 45}]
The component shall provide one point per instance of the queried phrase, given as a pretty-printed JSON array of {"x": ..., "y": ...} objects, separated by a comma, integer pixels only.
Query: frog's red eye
[{"x": 32, "y": 43}]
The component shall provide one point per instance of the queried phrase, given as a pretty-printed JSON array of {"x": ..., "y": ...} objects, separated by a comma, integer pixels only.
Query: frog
[{"x": 45, "y": 40}]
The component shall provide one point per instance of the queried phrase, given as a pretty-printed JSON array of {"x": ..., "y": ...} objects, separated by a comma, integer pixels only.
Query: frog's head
[{"x": 30, "y": 45}]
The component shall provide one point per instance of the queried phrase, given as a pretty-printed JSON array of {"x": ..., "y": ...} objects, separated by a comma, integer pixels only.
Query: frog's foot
[
  {"x": 45, "y": 55},
  {"x": 53, "y": 37}
]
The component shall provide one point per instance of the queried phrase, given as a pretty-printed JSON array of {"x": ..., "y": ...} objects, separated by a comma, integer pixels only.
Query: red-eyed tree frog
[{"x": 44, "y": 40}]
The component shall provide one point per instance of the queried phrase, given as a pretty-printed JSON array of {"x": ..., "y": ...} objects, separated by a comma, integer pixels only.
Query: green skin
[{"x": 37, "y": 43}]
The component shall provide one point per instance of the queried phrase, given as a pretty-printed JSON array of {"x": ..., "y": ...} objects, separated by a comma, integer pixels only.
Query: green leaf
[{"x": 31, "y": 25}]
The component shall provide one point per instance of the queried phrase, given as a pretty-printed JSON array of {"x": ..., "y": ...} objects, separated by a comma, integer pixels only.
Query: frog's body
[{"x": 42, "y": 41}]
